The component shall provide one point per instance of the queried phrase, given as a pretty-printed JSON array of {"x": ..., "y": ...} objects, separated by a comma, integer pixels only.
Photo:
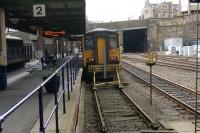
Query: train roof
[
  {"x": 12, "y": 37},
  {"x": 100, "y": 30}
]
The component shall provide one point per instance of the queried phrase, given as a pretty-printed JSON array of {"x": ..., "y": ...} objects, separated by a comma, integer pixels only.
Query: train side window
[
  {"x": 113, "y": 43},
  {"x": 89, "y": 45}
]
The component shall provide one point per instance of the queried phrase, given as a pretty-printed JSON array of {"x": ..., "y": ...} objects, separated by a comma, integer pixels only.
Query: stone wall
[
  {"x": 158, "y": 29},
  {"x": 120, "y": 25}
]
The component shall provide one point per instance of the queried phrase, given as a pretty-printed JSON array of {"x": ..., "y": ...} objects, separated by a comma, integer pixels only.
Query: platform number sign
[
  {"x": 194, "y": 1},
  {"x": 39, "y": 10}
]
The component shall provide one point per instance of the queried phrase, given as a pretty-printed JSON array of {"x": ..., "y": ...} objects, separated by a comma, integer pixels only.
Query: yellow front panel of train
[
  {"x": 114, "y": 53},
  {"x": 87, "y": 54},
  {"x": 101, "y": 45}
]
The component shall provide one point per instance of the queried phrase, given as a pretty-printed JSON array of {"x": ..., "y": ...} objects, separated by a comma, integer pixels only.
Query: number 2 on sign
[{"x": 39, "y": 10}]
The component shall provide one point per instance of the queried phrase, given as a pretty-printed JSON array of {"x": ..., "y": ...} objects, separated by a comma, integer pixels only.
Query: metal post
[
  {"x": 75, "y": 64},
  {"x": 78, "y": 63},
  {"x": 74, "y": 68},
  {"x": 68, "y": 81},
  {"x": 196, "y": 89},
  {"x": 151, "y": 84},
  {"x": 56, "y": 111},
  {"x": 42, "y": 129},
  {"x": 57, "y": 48},
  {"x": 1, "y": 129},
  {"x": 63, "y": 84},
  {"x": 104, "y": 63},
  {"x": 71, "y": 74},
  {"x": 62, "y": 47}
]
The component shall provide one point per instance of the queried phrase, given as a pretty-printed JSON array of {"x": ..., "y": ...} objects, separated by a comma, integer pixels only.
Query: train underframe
[{"x": 104, "y": 75}]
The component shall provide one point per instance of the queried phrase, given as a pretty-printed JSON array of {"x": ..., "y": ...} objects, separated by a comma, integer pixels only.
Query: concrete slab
[
  {"x": 182, "y": 126},
  {"x": 67, "y": 122}
]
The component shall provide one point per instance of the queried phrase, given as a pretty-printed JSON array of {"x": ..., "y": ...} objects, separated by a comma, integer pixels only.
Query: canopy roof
[{"x": 67, "y": 15}]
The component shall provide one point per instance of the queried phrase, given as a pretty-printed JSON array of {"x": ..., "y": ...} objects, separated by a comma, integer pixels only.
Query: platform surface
[
  {"x": 67, "y": 122},
  {"x": 21, "y": 83},
  {"x": 182, "y": 126}
]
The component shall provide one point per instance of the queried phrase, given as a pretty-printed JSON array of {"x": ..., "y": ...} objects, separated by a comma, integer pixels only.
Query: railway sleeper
[
  {"x": 158, "y": 131},
  {"x": 134, "y": 119},
  {"x": 120, "y": 115},
  {"x": 116, "y": 111},
  {"x": 179, "y": 96},
  {"x": 114, "y": 105}
]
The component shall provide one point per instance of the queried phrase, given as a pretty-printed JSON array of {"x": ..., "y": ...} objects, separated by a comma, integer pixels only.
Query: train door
[{"x": 101, "y": 48}]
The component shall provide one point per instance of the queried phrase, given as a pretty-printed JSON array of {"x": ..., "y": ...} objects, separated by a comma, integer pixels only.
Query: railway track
[
  {"x": 118, "y": 113},
  {"x": 173, "y": 64},
  {"x": 184, "y": 97}
]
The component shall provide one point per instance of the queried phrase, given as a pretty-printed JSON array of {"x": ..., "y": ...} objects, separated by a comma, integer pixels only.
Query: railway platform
[
  {"x": 19, "y": 102},
  {"x": 67, "y": 122}
]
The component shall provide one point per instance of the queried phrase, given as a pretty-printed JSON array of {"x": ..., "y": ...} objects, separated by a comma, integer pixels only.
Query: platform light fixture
[
  {"x": 14, "y": 20},
  {"x": 32, "y": 27}
]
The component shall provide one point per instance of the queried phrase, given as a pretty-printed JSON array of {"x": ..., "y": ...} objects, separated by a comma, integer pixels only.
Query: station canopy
[{"x": 67, "y": 15}]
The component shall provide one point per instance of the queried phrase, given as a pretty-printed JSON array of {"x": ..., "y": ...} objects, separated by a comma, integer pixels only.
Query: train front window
[
  {"x": 113, "y": 43},
  {"x": 89, "y": 44}
]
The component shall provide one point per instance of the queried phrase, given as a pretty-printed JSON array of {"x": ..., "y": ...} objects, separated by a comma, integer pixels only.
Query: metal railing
[{"x": 69, "y": 72}]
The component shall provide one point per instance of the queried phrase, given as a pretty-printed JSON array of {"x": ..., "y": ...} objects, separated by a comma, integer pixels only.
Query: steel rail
[
  {"x": 104, "y": 129},
  {"x": 173, "y": 65},
  {"x": 180, "y": 103},
  {"x": 126, "y": 97},
  {"x": 170, "y": 82},
  {"x": 148, "y": 118}
]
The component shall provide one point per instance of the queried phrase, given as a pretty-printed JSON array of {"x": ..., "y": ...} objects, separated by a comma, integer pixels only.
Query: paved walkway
[
  {"x": 67, "y": 122},
  {"x": 182, "y": 126}
]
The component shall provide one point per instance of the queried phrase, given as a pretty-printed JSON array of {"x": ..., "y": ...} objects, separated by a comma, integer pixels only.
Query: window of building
[{"x": 164, "y": 14}]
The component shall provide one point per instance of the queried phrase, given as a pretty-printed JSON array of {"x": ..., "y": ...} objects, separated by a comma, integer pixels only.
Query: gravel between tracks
[
  {"x": 91, "y": 118},
  {"x": 180, "y": 76},
  {"x": 162, "y": 108}
]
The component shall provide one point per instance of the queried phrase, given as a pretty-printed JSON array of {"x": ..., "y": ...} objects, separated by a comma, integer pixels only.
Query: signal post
[{"x": 151, "y": 61}]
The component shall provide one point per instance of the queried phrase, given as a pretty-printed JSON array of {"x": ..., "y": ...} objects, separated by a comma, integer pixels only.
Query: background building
[{"x": 162, "y": 10}]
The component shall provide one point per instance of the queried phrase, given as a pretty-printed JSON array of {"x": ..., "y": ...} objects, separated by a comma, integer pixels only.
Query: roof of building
[{"x": 154, "y": 6}]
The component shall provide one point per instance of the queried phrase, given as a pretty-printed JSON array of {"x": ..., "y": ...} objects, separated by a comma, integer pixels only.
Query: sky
[{"x": 117, "y": 10}]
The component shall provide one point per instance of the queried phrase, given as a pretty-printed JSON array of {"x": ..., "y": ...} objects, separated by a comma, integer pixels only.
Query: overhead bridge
[
  {"x": 133, "y": 33},
  {"x": 135, "y": 39}
]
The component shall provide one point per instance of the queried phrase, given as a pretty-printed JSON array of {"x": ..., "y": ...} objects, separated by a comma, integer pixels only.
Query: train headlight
[
  {"x": 113, "y": 58},
  {"x": 91, "y": 60}
]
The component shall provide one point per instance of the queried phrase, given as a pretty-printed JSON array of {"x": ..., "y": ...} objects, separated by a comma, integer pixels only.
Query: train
[
  {"x": 101, "y": 57},
  {"x": 17, "y": 52}
]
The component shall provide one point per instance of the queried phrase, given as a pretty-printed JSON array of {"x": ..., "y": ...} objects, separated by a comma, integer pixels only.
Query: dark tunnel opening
[{"x": 135, "y": 40}]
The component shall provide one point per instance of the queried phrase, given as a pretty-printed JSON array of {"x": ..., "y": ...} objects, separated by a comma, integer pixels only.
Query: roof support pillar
[
  {"x": 40, "y": 38},
  {"x": 40, "y": 41},
  {"x": 3, "y": 51}
]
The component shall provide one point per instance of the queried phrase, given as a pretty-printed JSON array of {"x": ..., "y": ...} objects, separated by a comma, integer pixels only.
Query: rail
[
  {"x": 181, "y": 99},
  {"x": 69, "y": 71}
]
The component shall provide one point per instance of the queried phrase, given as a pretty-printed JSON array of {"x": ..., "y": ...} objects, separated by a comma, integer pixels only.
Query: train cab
[{"x": 101, "y": 56}]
